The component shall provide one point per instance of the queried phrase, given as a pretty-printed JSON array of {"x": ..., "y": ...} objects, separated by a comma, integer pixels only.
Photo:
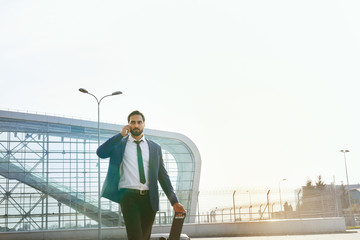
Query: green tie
[{"x": 140, "y": 162}]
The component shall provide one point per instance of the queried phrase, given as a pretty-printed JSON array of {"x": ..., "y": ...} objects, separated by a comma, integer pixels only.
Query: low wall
[{"x": 277, "y": 227}]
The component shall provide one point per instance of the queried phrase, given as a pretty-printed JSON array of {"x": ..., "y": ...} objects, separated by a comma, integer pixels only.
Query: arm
[
  {"x": 166, "y": 185},
  {"x": 105, "y": 149}
]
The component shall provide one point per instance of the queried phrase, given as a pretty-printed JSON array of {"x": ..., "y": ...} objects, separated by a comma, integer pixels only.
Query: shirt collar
[{"x": 131, "y": 139}]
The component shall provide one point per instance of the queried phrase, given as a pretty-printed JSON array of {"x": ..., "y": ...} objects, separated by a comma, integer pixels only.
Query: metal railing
[{"x": 265, "y": 205}]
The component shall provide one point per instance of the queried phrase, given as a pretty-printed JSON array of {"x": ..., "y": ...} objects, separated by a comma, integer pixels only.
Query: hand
[
  {"x": 125, "y": 130},
  {"x": 178, "y": 207}
]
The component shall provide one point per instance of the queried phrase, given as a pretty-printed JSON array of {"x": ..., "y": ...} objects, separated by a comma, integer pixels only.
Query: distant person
[
  {"x": 136, "y": 165},
  {"x": 287, "y": 207}
]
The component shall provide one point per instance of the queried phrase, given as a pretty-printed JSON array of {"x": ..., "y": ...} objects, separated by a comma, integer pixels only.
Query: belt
[{"x": 140, "y": 192}]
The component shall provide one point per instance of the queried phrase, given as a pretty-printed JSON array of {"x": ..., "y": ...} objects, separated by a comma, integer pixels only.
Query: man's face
[{"x": 137, "y": 125}]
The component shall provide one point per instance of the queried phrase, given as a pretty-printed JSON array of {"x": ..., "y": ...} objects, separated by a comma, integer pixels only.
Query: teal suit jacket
[{"x": 115, "y": 148}]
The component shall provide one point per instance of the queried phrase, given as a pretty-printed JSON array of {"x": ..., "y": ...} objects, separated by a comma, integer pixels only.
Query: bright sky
[{"x": 266, "y": 89}]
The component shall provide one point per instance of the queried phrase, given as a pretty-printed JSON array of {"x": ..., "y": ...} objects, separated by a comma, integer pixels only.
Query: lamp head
[
  {"x": 116, "y": 93},
  {"x": 83, "y": 90}
]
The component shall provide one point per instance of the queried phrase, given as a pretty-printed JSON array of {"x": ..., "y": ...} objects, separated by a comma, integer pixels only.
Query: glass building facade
[{"x": 49, "y": 173}]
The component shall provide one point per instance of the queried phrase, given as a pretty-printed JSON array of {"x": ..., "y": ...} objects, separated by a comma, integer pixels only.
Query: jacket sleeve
[
  {"x": 106, "y": 148},
  {"x": 165, "y": 182}
]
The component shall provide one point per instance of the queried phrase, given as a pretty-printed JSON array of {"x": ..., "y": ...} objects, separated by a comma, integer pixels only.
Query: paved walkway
[{"x": 349, "y": 235}]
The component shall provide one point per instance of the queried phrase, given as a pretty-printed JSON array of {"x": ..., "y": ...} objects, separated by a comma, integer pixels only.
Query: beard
[{"x": 136, "y": 132}]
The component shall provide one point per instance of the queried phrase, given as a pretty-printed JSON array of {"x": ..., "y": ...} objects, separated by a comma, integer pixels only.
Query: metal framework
[{"x": 48, "y": 173}]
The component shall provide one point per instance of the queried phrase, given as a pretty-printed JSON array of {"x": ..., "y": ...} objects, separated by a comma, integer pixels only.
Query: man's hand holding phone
[{"x": 125, "y": 130}]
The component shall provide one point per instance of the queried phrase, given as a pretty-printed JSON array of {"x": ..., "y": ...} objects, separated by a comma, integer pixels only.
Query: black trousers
[{"x": 138, "y": 215}]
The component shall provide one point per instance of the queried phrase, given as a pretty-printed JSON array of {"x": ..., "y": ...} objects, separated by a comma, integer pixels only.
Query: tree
[
  {"x": 309, "y": 184},
  {"x": 320, "y": 183},
  {"x": 316, "y": 199}
]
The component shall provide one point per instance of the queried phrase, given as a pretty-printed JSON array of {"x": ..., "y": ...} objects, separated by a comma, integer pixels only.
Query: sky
[{"x": 266, "y": 90}]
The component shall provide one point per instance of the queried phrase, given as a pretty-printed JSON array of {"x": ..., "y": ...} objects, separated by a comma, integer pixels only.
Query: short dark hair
[{"x": 136, "y": 112}]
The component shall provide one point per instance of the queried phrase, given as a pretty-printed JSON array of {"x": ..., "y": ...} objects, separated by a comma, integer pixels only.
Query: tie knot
[{"x": 138, "y": 142}]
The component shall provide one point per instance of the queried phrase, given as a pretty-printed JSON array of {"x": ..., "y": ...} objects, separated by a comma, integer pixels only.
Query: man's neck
[{"x": 137, "y": 138}]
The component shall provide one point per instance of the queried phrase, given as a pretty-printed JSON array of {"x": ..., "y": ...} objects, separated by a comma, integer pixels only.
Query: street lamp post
[
  {"x": 250, "y": 206},
  {"x": 234, "y": 206},
  {"x": 98, "y": 164},
  {"x": 249, "y": 196},
  {"x": 280, "y": 192},
  {"x": 347, "y": 179},
  {"x": 198, "y": 206}
]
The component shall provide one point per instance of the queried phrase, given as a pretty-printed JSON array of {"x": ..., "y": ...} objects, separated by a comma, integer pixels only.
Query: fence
[{"x": 264, "y": 204}]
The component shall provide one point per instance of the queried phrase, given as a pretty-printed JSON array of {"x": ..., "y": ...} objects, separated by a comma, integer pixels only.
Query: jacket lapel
[
  {"x": 152, "y": 156},
  {"x": 123, "y": 143}
]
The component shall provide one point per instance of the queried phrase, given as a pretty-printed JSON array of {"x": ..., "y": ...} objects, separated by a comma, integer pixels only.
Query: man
[{"x": 135, "y": 167}]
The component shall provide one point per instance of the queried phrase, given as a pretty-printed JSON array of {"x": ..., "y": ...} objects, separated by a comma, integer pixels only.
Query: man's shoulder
[
  {"x": 153, "y": 143},
  {"x": 123, "y": 140}
]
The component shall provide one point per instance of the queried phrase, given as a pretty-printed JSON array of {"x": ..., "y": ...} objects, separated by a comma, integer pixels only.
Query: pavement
[{"x": 348, "y": 235}]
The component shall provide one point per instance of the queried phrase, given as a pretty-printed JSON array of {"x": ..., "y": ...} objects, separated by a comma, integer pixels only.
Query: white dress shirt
[{"x": 129, "y": 169}]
